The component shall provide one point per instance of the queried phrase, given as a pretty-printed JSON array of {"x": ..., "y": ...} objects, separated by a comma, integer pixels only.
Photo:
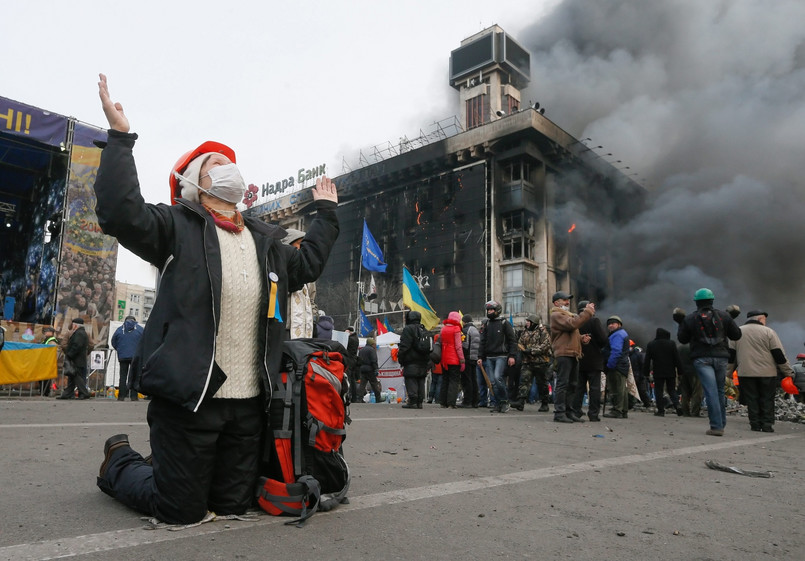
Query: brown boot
[{"x": 112, "y": 444}]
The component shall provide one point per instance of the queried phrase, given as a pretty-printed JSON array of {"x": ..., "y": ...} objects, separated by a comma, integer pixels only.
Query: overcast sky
[
  {"x": 704, "y": 99},
  {"x": 288, "y": 85}
]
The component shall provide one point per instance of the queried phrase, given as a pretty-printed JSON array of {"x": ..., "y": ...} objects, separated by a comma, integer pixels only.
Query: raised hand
[
  {"x": 113, "y": 111},
  {"x": 325, "y": 190}
]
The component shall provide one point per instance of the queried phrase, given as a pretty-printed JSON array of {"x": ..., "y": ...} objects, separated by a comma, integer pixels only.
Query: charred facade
[{"x": 487, "y": 213}]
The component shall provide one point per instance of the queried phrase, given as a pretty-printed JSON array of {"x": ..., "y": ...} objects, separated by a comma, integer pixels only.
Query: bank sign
[{"x": 279, "y": 188}]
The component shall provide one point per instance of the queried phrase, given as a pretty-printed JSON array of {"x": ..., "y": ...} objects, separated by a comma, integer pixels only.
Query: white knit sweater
[{"x": 237, "y": 348}]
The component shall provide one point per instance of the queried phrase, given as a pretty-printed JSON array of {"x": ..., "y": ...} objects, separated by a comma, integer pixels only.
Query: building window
[
  {"x": 477, "y": 110},
  {"x": 134, "y": 312},
  {"x": 519, "y": 289},
  {"x": 134, "y": 298},
  {"x": 511, "y": 104},
  {"x": 516, "y": 170},
  {"x": 518, "y": 236}
]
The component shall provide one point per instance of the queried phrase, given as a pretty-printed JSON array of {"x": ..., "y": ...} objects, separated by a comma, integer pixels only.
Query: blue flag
[
  {"x": 366, "y": 327},
  {"x": 386, "y": 323},
  {"x": 371, "y": 255}
]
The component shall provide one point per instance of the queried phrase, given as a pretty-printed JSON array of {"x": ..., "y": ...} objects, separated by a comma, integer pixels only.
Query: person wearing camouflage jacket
[{"x": 535, "y": 347}]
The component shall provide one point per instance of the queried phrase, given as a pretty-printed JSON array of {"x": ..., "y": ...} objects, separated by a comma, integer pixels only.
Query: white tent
[{"x": 389, "y": 371}]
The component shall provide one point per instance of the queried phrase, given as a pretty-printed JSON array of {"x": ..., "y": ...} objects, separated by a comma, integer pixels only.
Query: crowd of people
[
  {"x": 576, "y": 359},
  {"x": 206, "y": 412}
]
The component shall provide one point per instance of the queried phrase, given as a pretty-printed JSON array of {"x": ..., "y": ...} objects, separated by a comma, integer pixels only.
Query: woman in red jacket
[{"x": 452, "y": 359}]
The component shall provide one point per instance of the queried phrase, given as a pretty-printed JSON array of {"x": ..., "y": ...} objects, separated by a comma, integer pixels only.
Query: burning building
[{"x": 481, "y": 208}]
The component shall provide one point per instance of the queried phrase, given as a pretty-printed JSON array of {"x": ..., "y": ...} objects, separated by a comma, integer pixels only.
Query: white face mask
[
  {"x": 565, "y": 308},
  {"x": 227, "y": 183}
]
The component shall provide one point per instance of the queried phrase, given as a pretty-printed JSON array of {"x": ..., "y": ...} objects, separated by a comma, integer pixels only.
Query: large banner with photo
[{"x": 88, "y": 257}]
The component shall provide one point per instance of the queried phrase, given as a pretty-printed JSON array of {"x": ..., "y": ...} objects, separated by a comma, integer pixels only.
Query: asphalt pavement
[{"x": 433, "y": 484}]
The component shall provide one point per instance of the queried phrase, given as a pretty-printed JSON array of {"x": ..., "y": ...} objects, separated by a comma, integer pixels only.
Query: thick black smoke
[{"x": 705, "y": 103}]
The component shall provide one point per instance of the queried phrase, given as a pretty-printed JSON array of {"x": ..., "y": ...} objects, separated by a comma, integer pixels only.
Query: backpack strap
[
  {"x": 300, "y": 499},
  {"x": 297, "y": 419},
  {"x": 314, "y": 425}
]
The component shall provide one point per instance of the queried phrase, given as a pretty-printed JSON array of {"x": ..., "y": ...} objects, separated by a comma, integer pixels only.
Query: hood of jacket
[
  {"x": 453, "y": 318},
  {"x": 129, "y": 324},
  {"x": 663, "y": 333},
  {"x": 413, "y": 317}
]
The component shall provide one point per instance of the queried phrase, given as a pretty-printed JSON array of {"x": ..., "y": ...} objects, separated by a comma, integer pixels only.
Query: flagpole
[{"x": 358, "y": 302}]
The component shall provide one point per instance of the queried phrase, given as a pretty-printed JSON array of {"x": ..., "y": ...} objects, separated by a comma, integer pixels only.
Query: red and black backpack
[{"x": 303, "y": 462}]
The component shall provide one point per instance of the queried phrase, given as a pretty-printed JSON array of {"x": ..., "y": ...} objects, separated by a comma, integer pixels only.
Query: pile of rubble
[
  {"x": 789, "y": 410},
  {"x": 785, "y": 409}
]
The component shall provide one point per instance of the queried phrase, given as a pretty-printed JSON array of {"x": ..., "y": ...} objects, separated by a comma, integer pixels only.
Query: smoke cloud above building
[{"x": 704, "y": 102}]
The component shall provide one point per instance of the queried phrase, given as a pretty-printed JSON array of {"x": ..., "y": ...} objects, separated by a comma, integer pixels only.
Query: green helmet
[{"x": 703, "y": 294}]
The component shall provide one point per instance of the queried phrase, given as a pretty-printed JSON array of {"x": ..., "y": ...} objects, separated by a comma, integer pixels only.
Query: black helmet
[{"x": 494, "y": 305}]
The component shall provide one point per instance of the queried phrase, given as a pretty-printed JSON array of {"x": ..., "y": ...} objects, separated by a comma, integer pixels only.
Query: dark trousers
[
  {"x": 567, "y": 377},
  {"x": 415, "y": 389},
  {"x": 593, "y": 378},
  {"x": 758, "y": 395},
  {"x": 642, "y": 384},
  {"x": 450, "y": 383},
  {"x": 512, "y": 374},
  {"x": 616, "y": 389},
  {"x": 371, "y": 379},
  {"x": 435, "y": 387},
  {"x": 353, "y": 383},
  {"x": 124, "y": 388},
  {"x": 201, "y": 461},
  {"x": 469, "y": 385},
  {"x": 77, "y": 379},
  {"x": 484, "y": 395},
  {"x": 534, "y": 371},
  {"x": 665, "y": 384},
  {"x": 691, "y": 392}
]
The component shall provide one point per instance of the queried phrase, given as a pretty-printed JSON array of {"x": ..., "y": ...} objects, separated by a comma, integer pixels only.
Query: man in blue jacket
[
  {"x": 617, "y": 353},
  {"x": 125, "y": 341},
  {"x": 212, "y": 349}
]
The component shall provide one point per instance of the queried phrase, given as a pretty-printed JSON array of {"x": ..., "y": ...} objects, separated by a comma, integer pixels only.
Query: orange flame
[{"x": 573, "y": 227}]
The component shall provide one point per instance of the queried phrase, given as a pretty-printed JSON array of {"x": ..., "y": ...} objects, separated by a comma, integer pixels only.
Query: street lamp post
[{"x": 421, "y": 280}]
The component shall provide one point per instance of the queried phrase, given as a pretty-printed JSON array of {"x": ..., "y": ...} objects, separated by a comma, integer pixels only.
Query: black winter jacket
[
  {"x": 592, "y": 359},
  {"x": 408, "y": 353},
  {"x": 662, "y": 356},
  {"x": 175, "y": 359},
  {"x": 498, "y": 339},
  {"x": 367, "y": 357},
  {"x": 353, "y": 343},
  {"x": 689, "y": 333},
  {"x": 78, "y": 347}
]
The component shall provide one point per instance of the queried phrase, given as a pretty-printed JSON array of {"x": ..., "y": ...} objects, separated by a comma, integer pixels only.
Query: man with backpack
[
  {"x": 707, "y": 331},
  {"x": 413, "y": 355}
]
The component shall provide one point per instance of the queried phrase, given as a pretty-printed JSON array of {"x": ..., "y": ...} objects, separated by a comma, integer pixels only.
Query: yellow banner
[{"x": 18, "y": 366}]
